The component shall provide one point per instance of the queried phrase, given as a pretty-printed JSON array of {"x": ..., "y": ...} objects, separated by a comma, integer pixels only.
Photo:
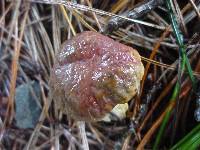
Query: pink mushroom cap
[{"x": 92, "y": 74}]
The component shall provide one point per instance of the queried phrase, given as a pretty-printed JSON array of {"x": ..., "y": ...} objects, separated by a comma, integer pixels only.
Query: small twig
[
  {"x": 68, "y": 20},
  {"x": 139, "y": 11},
  {"x": 195, "y": 8},
  {"x": 94, "y": 15},
  {"x": 76, "y": 6},
  {"x": 191, "y": 15},
  {"x": 77, "y": 14}
]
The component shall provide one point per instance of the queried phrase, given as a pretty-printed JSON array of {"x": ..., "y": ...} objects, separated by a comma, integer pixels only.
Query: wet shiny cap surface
[{"x": 92, "y": 74}]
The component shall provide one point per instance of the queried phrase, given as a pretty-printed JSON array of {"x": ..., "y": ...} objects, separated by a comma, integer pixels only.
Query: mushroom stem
[{"x": 81, "y": 125}]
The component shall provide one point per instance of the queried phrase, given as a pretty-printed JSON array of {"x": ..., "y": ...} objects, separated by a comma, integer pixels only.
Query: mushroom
[{"x": 92, "y": 74}]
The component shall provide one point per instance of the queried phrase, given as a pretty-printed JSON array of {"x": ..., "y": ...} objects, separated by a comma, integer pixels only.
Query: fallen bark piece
[{"x": 92, "y": 74}]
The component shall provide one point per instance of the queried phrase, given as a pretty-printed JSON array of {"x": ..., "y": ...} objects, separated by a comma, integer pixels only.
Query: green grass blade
[
  {"x": 190, "y": 141},
  {"x": 184, "y": 62},
  {"x": 179, "y": 39}
]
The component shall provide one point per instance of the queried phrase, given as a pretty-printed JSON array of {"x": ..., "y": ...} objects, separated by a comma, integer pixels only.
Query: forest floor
[{"x": 165, "y": 113}]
